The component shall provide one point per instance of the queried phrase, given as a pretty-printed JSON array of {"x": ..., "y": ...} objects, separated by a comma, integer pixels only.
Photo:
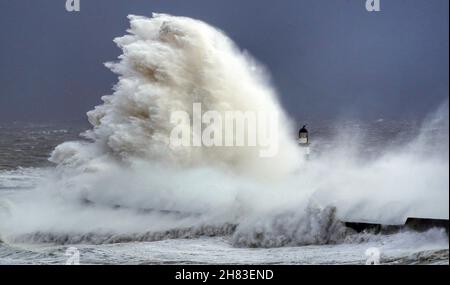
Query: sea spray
[
  {"x": 171, "y": 64},
  {"x": 126, "y": 183}
]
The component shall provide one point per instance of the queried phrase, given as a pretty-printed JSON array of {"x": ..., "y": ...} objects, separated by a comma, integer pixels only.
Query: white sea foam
[{"x": 127, "y": 183}]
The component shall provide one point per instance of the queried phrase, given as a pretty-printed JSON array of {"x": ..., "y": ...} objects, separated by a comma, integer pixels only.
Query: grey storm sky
[{"x": 327, "y": 58}]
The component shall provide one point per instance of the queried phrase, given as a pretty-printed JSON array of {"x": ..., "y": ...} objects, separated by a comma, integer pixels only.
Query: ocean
[
  {"x": 24, "y": 152},
  {"x": 142, "y": 185}
]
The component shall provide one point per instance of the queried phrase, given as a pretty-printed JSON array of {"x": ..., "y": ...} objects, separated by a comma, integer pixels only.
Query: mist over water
[{"x": 125, "y": 182}]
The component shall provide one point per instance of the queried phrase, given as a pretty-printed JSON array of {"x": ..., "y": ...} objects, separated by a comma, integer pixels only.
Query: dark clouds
[{"x": 328, "y": 58}]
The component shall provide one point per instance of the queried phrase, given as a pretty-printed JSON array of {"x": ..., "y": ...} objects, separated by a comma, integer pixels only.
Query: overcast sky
[{"x": 327, "y": 58}]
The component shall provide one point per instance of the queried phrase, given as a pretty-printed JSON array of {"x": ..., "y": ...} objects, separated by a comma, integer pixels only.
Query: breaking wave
[
  {"x": 126, "y": 183},
  {"x": 168, "y": 64}
]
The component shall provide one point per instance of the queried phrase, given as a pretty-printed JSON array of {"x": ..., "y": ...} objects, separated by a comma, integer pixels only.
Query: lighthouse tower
[{"x": 303, "y": 141}]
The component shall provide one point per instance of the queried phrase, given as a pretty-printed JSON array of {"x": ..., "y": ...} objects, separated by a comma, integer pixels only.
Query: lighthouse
[{"x": 303, "y": 141}]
